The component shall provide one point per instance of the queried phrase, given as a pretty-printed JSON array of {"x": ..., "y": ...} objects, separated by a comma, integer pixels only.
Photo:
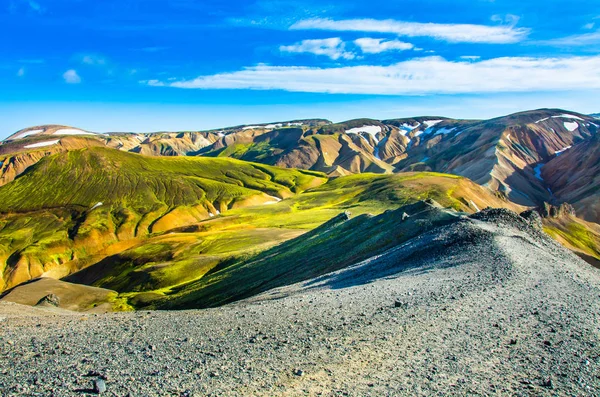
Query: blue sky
[{"x": 147, "y": 65}]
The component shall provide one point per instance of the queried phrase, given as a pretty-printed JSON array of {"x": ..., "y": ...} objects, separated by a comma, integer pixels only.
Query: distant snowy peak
[{"x": 48, "y": 130}]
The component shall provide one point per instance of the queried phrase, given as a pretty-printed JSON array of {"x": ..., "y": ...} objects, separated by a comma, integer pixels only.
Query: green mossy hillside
[{"x": 89, "y": 176}]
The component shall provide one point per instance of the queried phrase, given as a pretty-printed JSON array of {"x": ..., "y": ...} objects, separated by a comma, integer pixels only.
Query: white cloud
[
  {"x": 429, "y": 75},
  {"x": 71, "y": 77},
  {"x": 375, "y": 46},
  {"x": 589, "y": 26},
  {"x": 334, "y": 48},
  {"x": 470, "y": 57},
  {"x": 21, "y": 72},
  {"x": 454, "y": 33}
]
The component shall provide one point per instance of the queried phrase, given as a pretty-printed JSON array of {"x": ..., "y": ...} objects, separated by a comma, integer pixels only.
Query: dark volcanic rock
[{"x": 49, "y": 300}]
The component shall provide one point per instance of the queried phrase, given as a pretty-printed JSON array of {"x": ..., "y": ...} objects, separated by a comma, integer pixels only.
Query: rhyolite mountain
[{"x": 154, "y": 219}]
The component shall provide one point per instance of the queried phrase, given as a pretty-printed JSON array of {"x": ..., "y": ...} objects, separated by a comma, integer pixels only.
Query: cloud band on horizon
[{"x": 420, "y": 76}]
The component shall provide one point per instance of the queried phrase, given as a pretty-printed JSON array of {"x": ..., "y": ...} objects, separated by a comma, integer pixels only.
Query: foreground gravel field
[{"x": 485, "y": 306}]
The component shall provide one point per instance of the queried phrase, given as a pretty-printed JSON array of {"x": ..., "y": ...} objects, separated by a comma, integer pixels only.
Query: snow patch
[
  {"x": 28, "y": 133},
  {"x": 562, "y": 116},
  {"x": 273, "y": 126},
  {"x": 475, "y": 205},
  {"x": 210, "y": 214},
  {"x": 406, "y": 128},
  {"x": 561, "y": 151},
  {"x": 42, "y": 144},
  {"x": 445, "y": 130},
  {"x": 431, "y": 123},
  {"x": 71, "y": 131},
  {"x": 369, "y": 129},
  {"x": 568, "y": 116},
  {"x": 98, "y": 204},
  {"x": 571, "y": 126}
]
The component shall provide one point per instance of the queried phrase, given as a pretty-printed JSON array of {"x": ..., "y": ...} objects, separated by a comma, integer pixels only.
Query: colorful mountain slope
[{"x": 71, "y": 206}]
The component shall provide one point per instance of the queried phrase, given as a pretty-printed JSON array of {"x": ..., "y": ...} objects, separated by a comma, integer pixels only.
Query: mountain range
[{"x": 195, "y": 218}]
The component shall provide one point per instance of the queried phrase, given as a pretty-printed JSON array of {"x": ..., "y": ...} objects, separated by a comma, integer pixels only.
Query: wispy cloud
[
  {"x": 71, "y": 77},
  {"x": 15, "y": 6},
  {"x": 375, "y": 46},
  {"x": 21, "y": 72},
  {"x": 577, "y": 40},
  {"x": 334, "y": 48},
  {"x": 429, "y": 75},
  {"x": 92, "y": 59},
  {"x": 35, "y": 6},
  {"x": 454, "y": 33},
  {"x": 153, "y": 49}
]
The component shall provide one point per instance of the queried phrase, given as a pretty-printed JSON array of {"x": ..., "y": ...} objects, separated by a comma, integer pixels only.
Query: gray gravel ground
[{"x": 486, "y": 306}]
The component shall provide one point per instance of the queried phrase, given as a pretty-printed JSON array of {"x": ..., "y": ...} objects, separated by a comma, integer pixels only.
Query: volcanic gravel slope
[{"x": 487, "y": 305}]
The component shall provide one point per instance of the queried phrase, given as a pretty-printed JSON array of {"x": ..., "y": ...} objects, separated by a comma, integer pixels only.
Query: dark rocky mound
[{"x": 49, "y": 300}]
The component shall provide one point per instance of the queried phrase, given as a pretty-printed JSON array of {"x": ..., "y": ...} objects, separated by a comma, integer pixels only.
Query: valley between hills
[{"x": 416, "y": 256}]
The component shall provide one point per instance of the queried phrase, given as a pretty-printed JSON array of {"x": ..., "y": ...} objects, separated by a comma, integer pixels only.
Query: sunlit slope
[
  {"x": 341, "y": 242},
  {"x": 71, "y": 206},
  {"x": 156, "y": 268}
]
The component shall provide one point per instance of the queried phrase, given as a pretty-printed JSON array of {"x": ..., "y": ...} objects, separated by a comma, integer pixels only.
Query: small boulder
[
  {"x": 99, "y": 386},
  {"x": 534, "y": 219}
]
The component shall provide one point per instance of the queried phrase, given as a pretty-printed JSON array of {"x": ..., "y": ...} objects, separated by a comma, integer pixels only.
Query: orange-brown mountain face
[
  {"x": 505, "y": 154},
  {"x": 574, "y": 177}
]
